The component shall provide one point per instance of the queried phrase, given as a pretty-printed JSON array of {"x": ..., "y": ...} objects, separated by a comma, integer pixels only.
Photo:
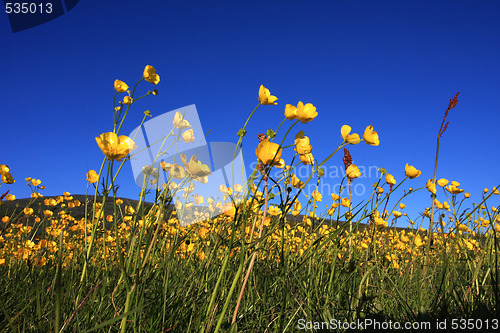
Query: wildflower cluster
[{"x": 261, "y": 246}]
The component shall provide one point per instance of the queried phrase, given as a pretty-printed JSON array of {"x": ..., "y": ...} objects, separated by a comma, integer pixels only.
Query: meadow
[{"x": 259, "y": 257}]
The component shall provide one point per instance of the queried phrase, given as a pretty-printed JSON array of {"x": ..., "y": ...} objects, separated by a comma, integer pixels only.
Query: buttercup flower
[
  {"x": 290, "y": 112},
  {"x": 175, "y": 170},
  {"x": 307, "y": 159},
  {"x": 370, "y": 136},
  {"x": 3, "y": 169},
  {"x": 305, "y": 113},
  {"x": 296, "y": 182},
  {"x": 35, "y": 182},
  {"x": 344, "y": 202},
  {"x": 179, "y": 121},
  {"x": 188, "y": 136},
  {"x": 92, "y": 176},
  {"x": 438, "y": 204},
  {"x": 296, "y": 208},
  {"x": 195, "y": 168},
  {"x": 431, "y": 186},
  {"x": 120, "y": 86},
  {"x": 389, "y": 179},
  {"x": 453, "y": 189},
  {"x": 349, "y": 138},
  {"x": 150, "y": 75},
  {"x": 265, "y": 97},
  {"x": 442, "y": 182},
  {"x": 317, "y": 196},
  {"x": 352, "y": 172},
  {"x": 269, "y": 153},
  {"x": 127, "y": 100},
  {"x": 114, "y": 147},
  {"x": 302, "y": 145},
  {"x": 411, "y": 172},
  {"x": 7, "y": 178}
]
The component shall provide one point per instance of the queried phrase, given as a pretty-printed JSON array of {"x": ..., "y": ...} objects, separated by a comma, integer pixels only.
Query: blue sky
[{"x": 391, "y": 64}]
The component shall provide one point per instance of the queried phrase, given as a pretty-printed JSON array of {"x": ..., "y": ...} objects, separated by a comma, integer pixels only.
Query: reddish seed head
[
  {"x": 262, "y": 137},
  {"x": 347, "y": 159}
]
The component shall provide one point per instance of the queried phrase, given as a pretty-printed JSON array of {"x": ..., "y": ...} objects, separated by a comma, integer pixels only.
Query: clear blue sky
[{"x": 391, "y": 64}]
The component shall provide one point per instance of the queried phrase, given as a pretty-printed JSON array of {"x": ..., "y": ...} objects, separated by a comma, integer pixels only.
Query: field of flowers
[{"x": 259, "y": 258}]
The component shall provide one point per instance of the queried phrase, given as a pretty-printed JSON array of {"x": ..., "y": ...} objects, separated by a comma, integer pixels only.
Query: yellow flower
[
  {"x": 296, "y": 182},
  {"x": 200, "y": 255},
  {"x": 438, "y": 204},
  {"x": 352, "y": 172},
  {"x": 431, "y": 186},
  {"x": 188, "y": 136},
  {"x": 397, "y": 214},
  {"x": 265, "y": 97},
  {"x": 10, "y": 197},
  {"x": 335, "y": 197},
  {"x": 4, "y": 169},
  {"x": 150, "y": 75},
  {"x": 467, "y": 195},
  {"x": 120, "y": 86},
  {"x": 269, "y": 153},
  {"x": 7, "y": 178},
  {"x": 28, "y": 211},
  {"x": 370, "y": 136},
  {"x": 274, "y": 210},
  {"x": 127, "y": 100},
  {"x": 307, "y": 159},
  {"x": 92, "y": 176},
  {"x": 389, "y": 179},
  {"x": 442, "y": 182},
  {"x": 179, "y": 121},
  {"x": 302, "y": 145},
  {"x": 35, "y": 182},
  {"x": 349, "y": 138},
  {"x": 129, "y": 210},
  {"x": 411, "y": 172},
  {"x": 174, "y": 169},
  {"x": 195, "y": 168},
  {"x": 290, "y": 112},
  {"x": 453, "y": 189},
  {"x": 203, "y": 232},
  {"x": 380, "y": 221},
  {"x": 229, "y": 209},
  {"x": 317, "y": 196},
  {"x": 114, "y": 147},
  {"x": 402, "y": 206},
  {"x": 418, "y": 241},
  {"x": 344, "y": 202},
  {"x": 198, "y": 199},
  {"x": 306, "y": 113},
  {"x": 296, "y": 208}
]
